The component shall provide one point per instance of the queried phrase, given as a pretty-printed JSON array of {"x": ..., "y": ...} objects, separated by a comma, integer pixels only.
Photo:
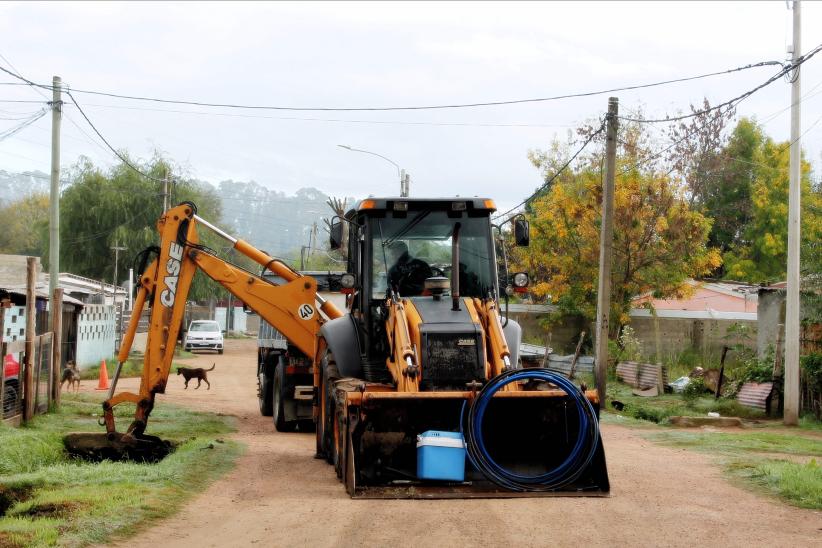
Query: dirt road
[{"x": 280, "y": 496}]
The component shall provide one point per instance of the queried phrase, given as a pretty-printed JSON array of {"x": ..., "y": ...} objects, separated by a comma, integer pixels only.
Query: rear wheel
[
  {"x": 265, "y": 388},
  {"x": 278, "y": 400}
]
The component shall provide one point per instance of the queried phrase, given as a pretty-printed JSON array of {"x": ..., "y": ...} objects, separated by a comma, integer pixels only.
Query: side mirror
[
  {"x": 336, "y": 234},
  {"x": 522, "y": 232}
]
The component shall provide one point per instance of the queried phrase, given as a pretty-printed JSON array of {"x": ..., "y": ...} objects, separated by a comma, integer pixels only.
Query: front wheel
[{"x": 278, "y": 400}]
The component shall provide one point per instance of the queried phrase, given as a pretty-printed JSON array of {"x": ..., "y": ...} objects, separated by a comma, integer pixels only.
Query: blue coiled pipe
[{"x": 565, "y": 473}]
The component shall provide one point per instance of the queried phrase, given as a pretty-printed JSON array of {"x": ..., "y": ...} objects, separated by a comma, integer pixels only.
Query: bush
[{"x": 694, "y": 390}]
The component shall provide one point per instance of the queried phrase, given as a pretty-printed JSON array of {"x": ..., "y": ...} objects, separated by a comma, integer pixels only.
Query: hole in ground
[{"x": 9, "y": 496}]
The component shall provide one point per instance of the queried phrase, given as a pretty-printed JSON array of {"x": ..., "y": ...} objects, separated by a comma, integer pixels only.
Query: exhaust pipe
[{"x": 455, "y": 268}]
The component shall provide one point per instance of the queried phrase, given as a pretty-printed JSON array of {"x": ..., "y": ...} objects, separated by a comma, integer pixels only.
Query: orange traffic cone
[{"x": 103, "y": 384}]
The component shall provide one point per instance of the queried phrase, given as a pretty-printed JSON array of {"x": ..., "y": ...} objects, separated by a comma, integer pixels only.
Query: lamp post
[{"x": 403, "y": 176}]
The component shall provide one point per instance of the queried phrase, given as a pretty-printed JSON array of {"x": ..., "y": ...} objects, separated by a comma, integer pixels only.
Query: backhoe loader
[{"x": 423, "y": 348}]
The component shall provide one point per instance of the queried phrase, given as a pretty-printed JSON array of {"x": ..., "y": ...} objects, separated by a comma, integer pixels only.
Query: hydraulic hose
[{"x": 566, "y": 472}]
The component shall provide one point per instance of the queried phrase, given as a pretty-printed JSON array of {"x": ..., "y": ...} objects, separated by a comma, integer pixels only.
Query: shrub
[{"x": 694, "y": 390}]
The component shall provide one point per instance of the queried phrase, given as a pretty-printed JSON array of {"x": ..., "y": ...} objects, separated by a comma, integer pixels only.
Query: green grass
[
  {"x": 658, "y": 409},
  {"x": 753, "y": 459},
  {"x": 50, "y": 495},
  {"x": 131, "y": 368},
  {"x": 800, "y": 484}
]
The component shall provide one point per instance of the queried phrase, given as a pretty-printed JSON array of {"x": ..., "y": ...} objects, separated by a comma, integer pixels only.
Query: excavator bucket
[
  {"x": 116, "y": 447},
  {"x": 527, "y": 433}
]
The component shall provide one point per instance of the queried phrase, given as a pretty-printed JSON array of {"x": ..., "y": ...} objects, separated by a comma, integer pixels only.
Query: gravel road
[{"x": 279, "y": 495}]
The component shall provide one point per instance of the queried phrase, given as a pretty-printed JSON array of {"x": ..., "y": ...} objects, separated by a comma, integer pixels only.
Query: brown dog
[
  {"x": 71, "y": 376},
  {"x": 196, "y": 373}
]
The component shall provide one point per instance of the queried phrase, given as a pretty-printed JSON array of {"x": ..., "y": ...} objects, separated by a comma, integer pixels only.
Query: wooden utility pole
[
  {"x": 606, "y": 241},
  {"x": 165, "y": 192},
  {"x": 3, "y": 403},
  {"x": 54, "y": 194},
  {"x": 791, "y": 416},
  {"x": 31, "y": 326},
  {"x": 57, "y": 343}
]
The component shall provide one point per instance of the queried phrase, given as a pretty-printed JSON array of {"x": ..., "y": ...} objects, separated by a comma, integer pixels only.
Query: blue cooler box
[{"x": 441, "y": 456}]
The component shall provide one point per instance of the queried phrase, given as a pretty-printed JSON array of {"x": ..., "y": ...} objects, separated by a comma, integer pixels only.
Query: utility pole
[
  {"x": 54, "y": 194},
  {"x": 165, "y": 192},
  {"x": 606, "y": 242},
  {"x": 118, "y": 321},
  {"x": 791, "y": 415},
  {"x": 117, "y": 251}
]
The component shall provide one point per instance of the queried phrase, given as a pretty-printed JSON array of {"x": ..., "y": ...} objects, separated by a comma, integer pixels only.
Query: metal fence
[{"x": 11, "y": 381}]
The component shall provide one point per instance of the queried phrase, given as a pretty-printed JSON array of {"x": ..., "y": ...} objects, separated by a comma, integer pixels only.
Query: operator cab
[{"x": 403, "y": 247}]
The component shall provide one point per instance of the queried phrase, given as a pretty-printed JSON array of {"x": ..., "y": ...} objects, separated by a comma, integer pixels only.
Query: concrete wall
[
  {"x": 95, "y": 334},
  {"x": 676, "y": 335},
  {"x": 771, "y": 314}
]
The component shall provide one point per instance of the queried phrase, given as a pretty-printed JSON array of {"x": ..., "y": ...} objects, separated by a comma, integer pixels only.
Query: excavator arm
[{"x": 293, "y": 307}]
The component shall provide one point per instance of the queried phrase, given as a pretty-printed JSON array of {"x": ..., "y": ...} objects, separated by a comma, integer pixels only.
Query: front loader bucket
[
  {"x": 529, "y": 433},
  {"x": 117, "y": 447}
]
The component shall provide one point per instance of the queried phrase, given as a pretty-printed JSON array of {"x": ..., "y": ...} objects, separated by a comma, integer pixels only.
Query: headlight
[
  {"x": 348, "y": 280},
  {"x": 520, "y": 279}
]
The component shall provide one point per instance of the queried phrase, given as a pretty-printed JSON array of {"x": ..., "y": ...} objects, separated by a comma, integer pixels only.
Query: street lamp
[{"x": 404, "y": 177}]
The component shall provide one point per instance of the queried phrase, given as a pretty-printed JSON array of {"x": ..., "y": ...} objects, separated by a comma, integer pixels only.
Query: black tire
[
  {"x": 220, "y": 351},
  {"x": 277, "y": 400},
  {"x": 265, "y": 384},
  {"x": 325, "y": 424}
]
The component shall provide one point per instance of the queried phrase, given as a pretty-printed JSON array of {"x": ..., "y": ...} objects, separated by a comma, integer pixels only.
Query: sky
[{"x": 376, "y": 55}]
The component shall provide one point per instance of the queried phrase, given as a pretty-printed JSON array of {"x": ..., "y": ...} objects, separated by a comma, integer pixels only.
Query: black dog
[{"x": 196, "y": 373}]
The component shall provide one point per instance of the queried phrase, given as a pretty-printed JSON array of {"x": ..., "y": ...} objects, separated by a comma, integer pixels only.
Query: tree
[
  {"x": 659, "y": 242},
  {"x": 760, "y": 254},
  {"x": 694, "y": 154},
  {"x": 101, "y": 209},
  {"x": 727, "y": 195},
  {"x": 25, "y": 221}
]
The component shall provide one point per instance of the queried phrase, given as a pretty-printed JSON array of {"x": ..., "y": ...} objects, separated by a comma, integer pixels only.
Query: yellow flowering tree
[{"x": 659, "y": 242}]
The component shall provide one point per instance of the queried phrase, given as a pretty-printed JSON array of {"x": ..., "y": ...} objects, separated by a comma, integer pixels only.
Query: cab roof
[{"x": 415, "y": 204}]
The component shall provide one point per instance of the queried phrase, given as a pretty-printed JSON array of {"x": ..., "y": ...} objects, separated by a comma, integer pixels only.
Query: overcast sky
[{"x": 383, "y": 54}]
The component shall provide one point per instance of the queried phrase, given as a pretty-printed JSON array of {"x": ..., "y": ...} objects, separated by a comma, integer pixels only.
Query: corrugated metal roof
[
  {"x": 641, "y": 375},
  {"x": 755, "y": 394}
]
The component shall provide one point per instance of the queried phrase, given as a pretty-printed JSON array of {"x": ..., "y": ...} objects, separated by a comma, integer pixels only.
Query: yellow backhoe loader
[{"x": 421, "y": 374}]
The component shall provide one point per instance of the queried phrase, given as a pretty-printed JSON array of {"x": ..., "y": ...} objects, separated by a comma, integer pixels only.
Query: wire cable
[
  {"x": 416, "y": 107},
  {"x": 559, "y": 172},
  {"x": 23, "y": 125},
  {"x": 731, "y": 103},
  {"x": 113, "y": 150}
]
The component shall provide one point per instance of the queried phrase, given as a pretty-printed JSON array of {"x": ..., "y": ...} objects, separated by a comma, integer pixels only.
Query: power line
[
  {"x": 736, "y": 100},
  {"x": 114, "y": 150},
  {"x": 547, "y": 183},
  {"x": 397, "y": 108},
  {"x": 338, "y": 120},
  {"x": 21, "y": 126}
]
